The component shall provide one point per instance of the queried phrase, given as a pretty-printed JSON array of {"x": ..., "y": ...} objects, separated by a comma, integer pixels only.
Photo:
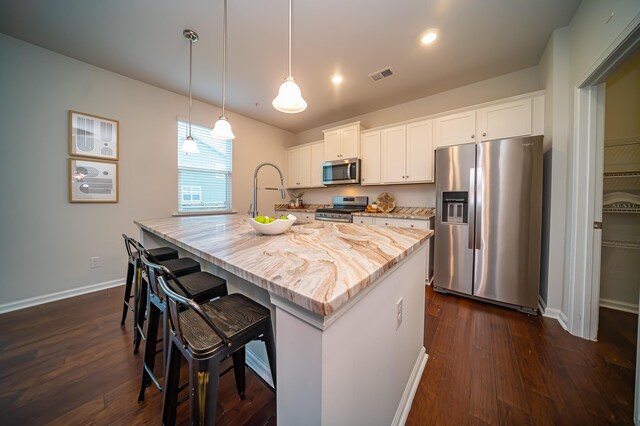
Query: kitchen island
[{"x": 347, "y": 303}]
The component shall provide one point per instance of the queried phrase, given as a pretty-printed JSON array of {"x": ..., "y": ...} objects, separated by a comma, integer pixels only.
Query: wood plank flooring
[
  {"x": 492, "y": 365},
  {"x": 70, "y": 362}
]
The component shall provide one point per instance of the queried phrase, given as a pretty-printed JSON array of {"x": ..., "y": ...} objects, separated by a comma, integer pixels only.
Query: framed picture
[
  {"x": 93, "y": 136},
  {"x": 92, "y": 181}
]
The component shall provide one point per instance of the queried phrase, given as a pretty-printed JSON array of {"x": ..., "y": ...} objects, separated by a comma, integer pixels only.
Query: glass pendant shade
[
  {"x": 222, "y": 129},
  {"x": 289, "y": 98},
  {"x": 189, "y": 146}
]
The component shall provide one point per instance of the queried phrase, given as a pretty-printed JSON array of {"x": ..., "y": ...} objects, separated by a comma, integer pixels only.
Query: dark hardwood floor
[
  {"x": 70, "y": 362},
  {"x": 492, "y": 365}
]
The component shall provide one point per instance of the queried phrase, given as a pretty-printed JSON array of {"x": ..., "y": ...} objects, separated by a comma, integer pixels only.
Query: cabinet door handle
[
  {"x": 412, "y": 226},
  {"x": 484, "y": 134},
  {"x": 386, "y": 224},
  {"x": 473, "y": 136}
]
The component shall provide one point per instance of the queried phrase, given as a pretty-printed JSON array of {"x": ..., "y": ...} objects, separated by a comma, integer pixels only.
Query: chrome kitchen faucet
[{"x": 253, "y": 209}]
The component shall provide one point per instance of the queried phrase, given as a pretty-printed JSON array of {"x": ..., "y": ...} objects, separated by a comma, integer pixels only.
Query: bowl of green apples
[{"x": 272, "y": 226}]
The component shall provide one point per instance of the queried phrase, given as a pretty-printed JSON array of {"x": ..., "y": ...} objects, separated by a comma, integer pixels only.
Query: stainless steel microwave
[{"x": 341, "y": 172}]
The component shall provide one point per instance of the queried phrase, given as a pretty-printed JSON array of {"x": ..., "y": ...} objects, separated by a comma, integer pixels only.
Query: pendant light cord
[
  {"x": 224, "y": 58},
  {"x": 190, "y": 65},
  {"x": 289, "y": 38}
]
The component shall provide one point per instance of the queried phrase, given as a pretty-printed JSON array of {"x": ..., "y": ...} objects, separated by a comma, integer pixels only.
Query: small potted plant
[
  {"x": 374, "y": 206},
  {"x": 296, "y": 199}
]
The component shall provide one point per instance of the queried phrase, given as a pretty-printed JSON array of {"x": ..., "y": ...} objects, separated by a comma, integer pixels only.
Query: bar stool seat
[
  {"x": 182, "y": 266},
  {"x": 163, "y": 253},
  {"x": 202, "y": 286},
  {"x": 233, "y": 314}
]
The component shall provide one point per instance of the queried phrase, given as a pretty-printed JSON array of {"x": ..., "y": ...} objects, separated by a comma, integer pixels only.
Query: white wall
[
  {"x": 46, "y": 241},
  {"x": 554, "y": 74}
]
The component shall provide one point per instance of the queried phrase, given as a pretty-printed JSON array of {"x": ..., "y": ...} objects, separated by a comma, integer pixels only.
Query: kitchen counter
[
  {"x": 345, "y": 299},
  {"x": 318, "y": 266},
  {"x": 417, "y": 213},
  {"x": 309, "y": 208}
]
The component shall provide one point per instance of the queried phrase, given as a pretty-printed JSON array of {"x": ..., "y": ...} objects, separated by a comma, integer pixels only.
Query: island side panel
[{"x": 367, "y": 369}]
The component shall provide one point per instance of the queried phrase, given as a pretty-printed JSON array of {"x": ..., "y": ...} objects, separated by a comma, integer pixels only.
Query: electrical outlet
[
  {"x": 398, "y": 313},
  {"x": 94, "y": 262}
]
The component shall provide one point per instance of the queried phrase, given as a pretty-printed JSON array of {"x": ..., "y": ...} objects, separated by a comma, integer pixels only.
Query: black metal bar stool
[
  {"x": 181, "y": 266},
  {"x": 205, "y": 335},
  {"x": 199, "y": 287},
  {"x": 160, "y": 254}
]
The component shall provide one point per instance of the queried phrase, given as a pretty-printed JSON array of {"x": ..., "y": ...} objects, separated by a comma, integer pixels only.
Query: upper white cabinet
[
  {"x": 298, "y": 170},
  {"x": 370, "y": 150},
  {"x": 455, "y": 129},
  {"x": 342, "y": 142},
  {"x": 317, "y": 158},
  {"x": 394, "y": 154},
  {"x": 407, "y": 153},
  {"x": 420, "y": 151},
  {"x": 505, "y": 120},
  {"x": 304, "y": 166},
  {"x": 523, "y": 116}
]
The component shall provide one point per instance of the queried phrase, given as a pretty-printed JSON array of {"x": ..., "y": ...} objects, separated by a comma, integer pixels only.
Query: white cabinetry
[
  {"x": 455, "y": 129},
  {"x": 523, "y": 116},
  {"x": 505, "y": 120},
  {"x": 371, "y": 153},
  {"x": 407, "y": 153},
  {"x": 304, "y": 166},
  {"x": 342, "y": 142},
  {"x": 401, "y": 223}
]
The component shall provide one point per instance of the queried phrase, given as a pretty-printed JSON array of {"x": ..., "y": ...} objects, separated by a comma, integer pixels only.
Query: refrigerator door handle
[
  {"x": 479, "y": 198},
  {"x": 471, "y": 207}
]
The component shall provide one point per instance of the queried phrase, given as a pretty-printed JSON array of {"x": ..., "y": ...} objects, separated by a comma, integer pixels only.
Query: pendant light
[
  {"x": 222, "y": 128},
  {"x": 189, "y": 145},
  {"x": 289, "y": 97}
]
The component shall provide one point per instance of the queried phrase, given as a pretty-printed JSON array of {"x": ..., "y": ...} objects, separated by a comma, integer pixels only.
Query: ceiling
[{"x": 142, "y": 39}]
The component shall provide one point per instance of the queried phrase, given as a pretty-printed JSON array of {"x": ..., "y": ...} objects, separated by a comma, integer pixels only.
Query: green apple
[{"x": 260, "y": 219}]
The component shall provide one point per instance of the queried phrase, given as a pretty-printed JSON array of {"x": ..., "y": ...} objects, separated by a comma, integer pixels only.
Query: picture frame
[
  {"x": 92, "y": 181},
  {"x": 93, "y": 136}
]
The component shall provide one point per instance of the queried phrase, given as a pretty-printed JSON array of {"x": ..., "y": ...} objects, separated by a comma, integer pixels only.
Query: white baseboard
[
  {"x": 556, "y": 314},
  {"x": 410, "y": 390},
  {"x": 619, "y": 306},
  {"x": 259, "y": 366},
  {"x": 51, "y": 297}
]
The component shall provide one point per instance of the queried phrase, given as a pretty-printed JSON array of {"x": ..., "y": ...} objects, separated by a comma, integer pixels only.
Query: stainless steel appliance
[
  {"x": 488, "y": 221},
  {"x": 342, "y": 209},
  {"x": 341, "y": 172}
]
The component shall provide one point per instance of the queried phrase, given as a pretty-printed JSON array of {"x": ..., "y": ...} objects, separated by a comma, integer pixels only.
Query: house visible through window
[{"x": 204, "y": 179}]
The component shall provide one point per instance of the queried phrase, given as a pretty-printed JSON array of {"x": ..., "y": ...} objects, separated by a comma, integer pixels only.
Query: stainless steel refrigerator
[{"x": 488, "y": 221}]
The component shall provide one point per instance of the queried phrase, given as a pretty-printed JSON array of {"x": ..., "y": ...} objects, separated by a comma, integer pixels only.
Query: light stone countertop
[
  {"x": 417, "y": 213},
  {"x": 318, "y": 265}
]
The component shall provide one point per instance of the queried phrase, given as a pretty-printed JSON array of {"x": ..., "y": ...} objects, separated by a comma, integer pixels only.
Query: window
[{"x": 204, "y": 179}]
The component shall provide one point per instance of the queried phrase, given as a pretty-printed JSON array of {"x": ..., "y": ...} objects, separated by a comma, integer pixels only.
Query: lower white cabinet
[
  {"x": 402, "y": 223},
  {"x": 299, "y": 215}
]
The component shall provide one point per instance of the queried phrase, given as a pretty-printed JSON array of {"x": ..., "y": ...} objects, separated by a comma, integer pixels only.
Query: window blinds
[{"x": 204, "y": 179}]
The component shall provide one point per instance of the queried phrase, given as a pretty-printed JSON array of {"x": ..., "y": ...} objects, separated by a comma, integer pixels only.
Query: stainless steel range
[{"x": 342, "y": 209}]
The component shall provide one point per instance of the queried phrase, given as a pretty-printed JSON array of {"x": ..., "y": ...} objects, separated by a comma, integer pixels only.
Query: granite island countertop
[
  {"x": 417, "y": 213},
  {"x": 317, "y": 265}
]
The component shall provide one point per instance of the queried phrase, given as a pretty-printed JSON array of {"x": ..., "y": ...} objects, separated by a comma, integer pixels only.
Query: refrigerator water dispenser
[{"x": 455, "y": 207}]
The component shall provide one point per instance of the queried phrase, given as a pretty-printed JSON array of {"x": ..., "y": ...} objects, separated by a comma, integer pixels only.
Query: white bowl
[{"x": 278, "y": 226}]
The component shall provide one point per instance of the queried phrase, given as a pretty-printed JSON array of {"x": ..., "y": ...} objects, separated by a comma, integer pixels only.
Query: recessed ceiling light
[
  {"x": 429, "y": 37},
  {"x": 336, "y": 79}
]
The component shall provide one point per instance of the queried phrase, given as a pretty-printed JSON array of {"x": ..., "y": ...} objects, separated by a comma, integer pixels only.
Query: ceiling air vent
[{"x": 383, "y": 73}]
